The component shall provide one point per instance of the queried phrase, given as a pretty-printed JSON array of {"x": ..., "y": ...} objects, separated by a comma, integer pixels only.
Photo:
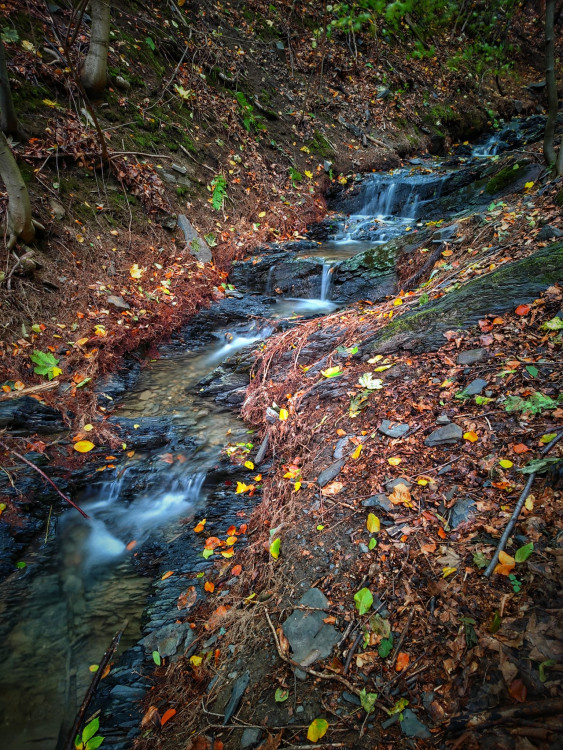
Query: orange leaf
[
  {"x": 167, "y": 575},
  {"x": 243, "y": 528},
  {"x": 131, "y": 545},
  {"x": 228, "y": 552},
  {"x": 212, "y": 541},
  {"x": 471, "y": 436},
  {"x": 520, "y": 448},
  {"x": 231, "y": 530},
  {"x": 441, "y": 533},
  {"x": 209, "y": 586},
  {"x": 237, "y": 570},
  {"x": 428, "y": 547},
  {"x": 188, "y": 598},
  {"x": 506, "y": 559},
  {"x": 504, "y": 570},
  {"x": 402, "y": 661},
  {"x": 167, "y": 715},
  {"x": 340, "y": 433},
  {"x": 522, "y": 310},
  {"x": 230, "y": 540},
  {"x": 518, "y": 690},
  {"x": 83, "y": 446}
]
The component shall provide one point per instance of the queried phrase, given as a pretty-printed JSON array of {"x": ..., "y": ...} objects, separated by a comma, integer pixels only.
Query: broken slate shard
[
  {"x": 471, "y": 357},
  {"x": 197, "y": 246},
  {"x": 332, "y": 471},
  {"x": 413, "y": 727},
  {"x": 447, "y": 435},
  {"x": 393, "y": 429},
  {"x": 169, "y": 639},
  {"x": 236, "y": 696},
  {"x": 475, "y": 387}
]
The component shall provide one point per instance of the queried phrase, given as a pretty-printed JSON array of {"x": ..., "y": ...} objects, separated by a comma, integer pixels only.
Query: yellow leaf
[
  {"x": 317, "y": 729},
  {"x": 50, "y": 103},
  {"x": 249, "y": 465},
  {"x": 394, "y": 460},
  {"x": 261, "y": 214},
  {"x": 83, "y": 446},
  {"x": 297, "y": 486},
  {"x": 28, "y": 46},
  {"x": 228, "y": 552},
  {"x": 195, "y": 660},
  {"x": 88, "y": 427},
  {"x": 505, "y": 559},
  {"x": 257, "y": 478},
  {"x": 529, "y": 504},
  {"x": 422, "y": 482},
  {"x": 397, "y": 302},
  {"x": 373, "y": 524},
  {"x": 471, "y": 436},
  {"x": 505, "y": 463},
  {"x": 447, "y": 571},
  {"x": 308, "y": 174},
  {"x": 529, "y": 185},
  {"x": 284, "y": 414},
  {"x": 242, "y": 487},
  {"x": 135, "y": 272},
  {"x": 356, "y": 453}
]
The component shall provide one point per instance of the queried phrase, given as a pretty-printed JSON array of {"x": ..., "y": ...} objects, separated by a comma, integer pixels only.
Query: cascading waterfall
[{"x": 326, "y": 281}]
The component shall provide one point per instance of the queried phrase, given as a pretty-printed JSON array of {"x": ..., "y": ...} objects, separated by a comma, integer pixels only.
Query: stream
[{"x": 81, "y": 581}]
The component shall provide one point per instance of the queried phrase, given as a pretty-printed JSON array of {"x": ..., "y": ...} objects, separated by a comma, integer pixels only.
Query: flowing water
[{"x": 59, "y": 614}]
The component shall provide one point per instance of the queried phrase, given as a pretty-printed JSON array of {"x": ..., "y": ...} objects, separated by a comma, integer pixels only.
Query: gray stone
[
  {"x": 250, "y": 737},
  {"x": 127, "y": 693},
  {"x": 471, "y": 356},
  {"x": 236, "y": 696},
  {"x": 351, "y": 698},
  {"x": 475, "y": 387},
  {"x": 413, "y": 727},
  {"x": 382, "y": 92},
  {"x": 443, "y": 419},
  {"x": 340, "y": 447},
  {"x": 332, "y": 471},
  {"x": 197, "y": 246},
  {"x": 548, "y": 233},
  {"x": 169, "y": 222},
  {"x": 378, "y": 501},
  {"x": 463, "y": 510},
  {"x": 447, "y": 435},
  {"x": 118, "y": 302},
  {"x": 57, "y": 209},
  {"x": 310, "y": 638},
  {"x": 390, "y": 486},
  {"x": 169, "y": 639},
  {"x": 122, "y": 83},
  {"x": 393, "y": 429}
]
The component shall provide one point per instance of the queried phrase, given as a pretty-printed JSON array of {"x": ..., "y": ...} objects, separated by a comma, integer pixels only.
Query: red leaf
[
  {"x": 522, "y": 310},
  {"x": 167, "y": 715},
  {"x": 518, "y": 690}
]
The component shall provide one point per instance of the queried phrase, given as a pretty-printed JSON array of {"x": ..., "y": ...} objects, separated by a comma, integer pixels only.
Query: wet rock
[
  {"x": 351, "y": 698},
  {"x": 448, "y": 435},
  {"x": 236, "y": 696},
  {"x": 250, "y": 737},
  {"x": 169, "y": 639},
  {"x": 117, "y": 302},
  {"x": 471, "y": 356},
  {"x": 310, "y": 638},
  {"x": 127, "y": 693},
  {"x": 413, "y": 727},
  {"x": 548, "y": 233},
  {"x": 378, "y": 501},
  {"x": 463, "y": 510},
  {"x": 475, "y": 387},
  {"x": 393, "y": 429},
  {"x": 341, "y": 447},
  {"x": 152, "y": 432},
  {"x": 294, "y": 277},
  {"x": 332, "y": 471},
  {"x": 113, "y": 386},
  {"x": 368, "y": 275},
  {"x": 26, "y": 415},
  {"x": 197, "y": 246}
]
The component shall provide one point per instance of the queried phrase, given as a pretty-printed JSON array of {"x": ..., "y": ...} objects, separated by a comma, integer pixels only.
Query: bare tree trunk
[
  {"x": 8, "y": 120},
  {"x": 94, "y": 70},
  {"x": 20, "y": 225},
  {"x": 549, "y": 151}
]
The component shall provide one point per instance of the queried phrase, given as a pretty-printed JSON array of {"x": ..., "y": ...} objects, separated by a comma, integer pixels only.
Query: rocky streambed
[{"x": 134, "y": 559}]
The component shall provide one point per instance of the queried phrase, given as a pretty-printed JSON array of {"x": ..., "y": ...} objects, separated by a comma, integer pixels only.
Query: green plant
[
  {"x": 516, "y": 584},
  {"x": 536, "y": 403},
  {"x": 89, "y": 740},
  {"x": 363, "y": 599},
  {"x": 9, "y": 36},
  {"x": 251, "y": 121},
  {"x": 46, "y": 364},
  {"x": 295, "y": 176},
  {"x": 218, "y": 188}
]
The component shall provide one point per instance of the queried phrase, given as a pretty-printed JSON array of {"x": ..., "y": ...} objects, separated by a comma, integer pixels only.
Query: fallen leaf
[
  {"x": 518, "y": 690},
  {"x": 200, "y": 526},
  {"x": 522, "y": 310},
  {"x": 237, "y": 570},
  {"x": 167, "y": 715},
  {"x": 401, "y": 494},
  {"x": 151, "y": 717},
  {"x": 402, "y": 661},
  {"x": 83, "y": 446},
  {"x": 188, "y": 598},
  {"x": 209, "y": 586},
  {"x": 520, "y": 448},
  {"x": 471, "y": 436},
  {"x": 131, "y": 545},
  {"x": 317, "y": 729},
  {"x": 284, "y": 414},
  {"x": 167, "y": 575},
  {"x": 373, "y": 524},
  {"x": 332, "y": 489},
  {"x": 394, "y": 460},
  {"x": 356, "y": 453}
]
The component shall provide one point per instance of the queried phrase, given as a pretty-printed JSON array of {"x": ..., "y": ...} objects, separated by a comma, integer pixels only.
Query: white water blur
[{"x": 326, "y": 281}]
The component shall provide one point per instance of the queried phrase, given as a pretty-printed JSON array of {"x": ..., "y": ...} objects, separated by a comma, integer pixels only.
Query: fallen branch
[
  {"x": 38, "y": 470},
  {"x": 519, "y": 505},
  {"x": 31, "y": 389},
  {"x": 500, "y": 715},
  {"x": 69, "y": 745}
]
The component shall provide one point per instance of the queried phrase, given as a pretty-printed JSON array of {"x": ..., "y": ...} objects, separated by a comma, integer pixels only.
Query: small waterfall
[
  {"x": 326, "y": 282},
  {"x": 269, "y": 280},
  {"x": 388, "y": 197}
]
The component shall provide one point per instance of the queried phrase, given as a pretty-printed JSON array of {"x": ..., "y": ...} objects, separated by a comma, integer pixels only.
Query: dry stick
[
  {"x": 502, "y": 715},
  {"x": 37, "y": 469},
  {"x": 402, "y": 638},
  {"x": 31, "y": 389},
  {"x": 519, "y": 505},
  {"x": 69, "y": 745}
]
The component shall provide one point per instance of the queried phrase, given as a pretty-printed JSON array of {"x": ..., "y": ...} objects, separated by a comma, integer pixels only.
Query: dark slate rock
[
  {"x": 250, "y": 737},
  {"x": 413, "y": 727},
  {"x": 236, "y": 696},
  {"x": 351, "y": 698},
  {"x": 475, "y": 387},
  {"x": 471, "y": 356},
  {"x": 463, "y": 510},
  {"x": 378, "y": 501},
  {"x": 443, "y": 419},
  {"x": 341, "y": 447},
  {"x": 393, "y": 429},
  {"x": 310, "y": 638},
  {"x": 169, "y": 639},
  {"x": 548, "y": 233},
  {"x": 26, "y": 415},
  {"x": 447, "y": 435},
  {"x": 332, "y": 471},
  {"x": 127, "y": 693}
]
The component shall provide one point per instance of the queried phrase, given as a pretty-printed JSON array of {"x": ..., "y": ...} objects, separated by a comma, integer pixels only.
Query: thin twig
[
  {"x": 37, "y": 469},
  {"x": 517, "y": 510},
  {"x": 402, "y": 638}
]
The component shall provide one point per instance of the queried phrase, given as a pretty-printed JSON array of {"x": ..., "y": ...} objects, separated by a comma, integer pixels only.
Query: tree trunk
[
  {"x": 8, "y": 121},
  {"x": 549, "y": 151},
  {"x": 20, "y": 225},
  {"x": 94, "y": 70}
]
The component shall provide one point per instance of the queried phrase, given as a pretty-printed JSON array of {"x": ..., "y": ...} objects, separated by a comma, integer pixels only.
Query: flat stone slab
[
  {"x": 390, "y": 486},
  {"x": 413, "y": 727},
  {"x": 197, "y": 246},
  {"x": 471, "y": 356},
  {"x": 332, "y": 471},
  {"x": 168, "y": 639},
  {"x": 393, "y": 429},
  {"x": 309, "y": 637},
  {"x": 378, "y": 501},
  {"x": 475, "y": 387},
  {"x": 448, "y": 435},
  {"x": 463, "y": 510}
]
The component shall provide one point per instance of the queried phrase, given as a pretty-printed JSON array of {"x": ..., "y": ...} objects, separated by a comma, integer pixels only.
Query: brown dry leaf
[
  {"x": 332, "y": 489},
  {"x": 400, "y": 494},
  {"x": 188, "y": 598},
  {"x": 284, "y": 643},
  {"x": 518, "y": 691},
  {"x": 151, "y": 717},
  {"x": 216, "y": 617}
]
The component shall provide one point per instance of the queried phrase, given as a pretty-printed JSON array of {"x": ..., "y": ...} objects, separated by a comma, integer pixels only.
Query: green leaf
[
  {"x": 317, "y": 729},
  {"x": 207, "y": 553},
  {"x": 364, "y": 600},
  {"x": 94, "y": 743},
  {"x": 483, "y": 400},
  {"x": 555, "y": 324},
  {"x": 495, "y": 624},
  {"x": 399, "y": 706},
  {"x": 9, "y": 36},
  {"x": 523, "y": 553},
  {"x": 532, "y": 370},
  {"x": 385, "y": 647},
  {"x": 82, "y": 382},
  {"x": 548, "y": 437},
  {"x": 372, "y": 543},
  {"x": 275, "y": 548},
  {"x": 150, "y": 43},
  {"x": 367, "y": 700},
  {"x": 538, "y": 465},
  {"x": 156, "y": 658},
  {"x": 480, "y": 560},
  {"x": 90, "y": 730},
  {"x": 332, "y": 372},
  {"x": 281, "y": 695},
  {"x": 542, "y": 666},
  {"x": 21, "y": 565}
]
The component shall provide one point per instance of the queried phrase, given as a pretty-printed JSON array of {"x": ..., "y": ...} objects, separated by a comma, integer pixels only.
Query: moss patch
[{"x": 503, "y": 179}]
